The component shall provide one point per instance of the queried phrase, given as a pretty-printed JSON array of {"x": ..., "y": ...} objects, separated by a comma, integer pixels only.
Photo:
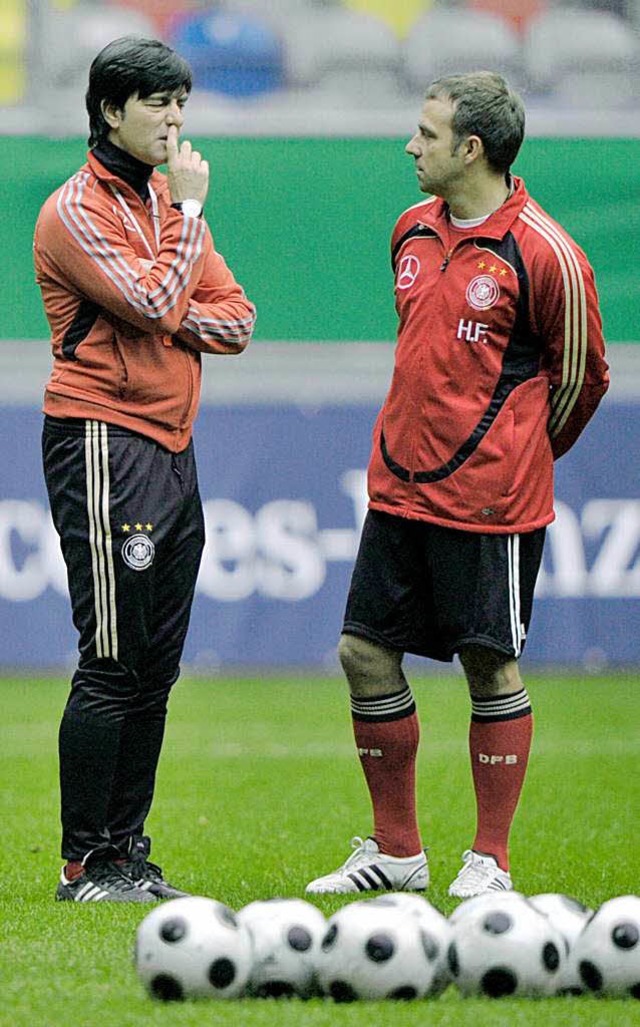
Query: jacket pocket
[
  {"x": 121, "y": 379},
  {"x": 531, "y": 446}
]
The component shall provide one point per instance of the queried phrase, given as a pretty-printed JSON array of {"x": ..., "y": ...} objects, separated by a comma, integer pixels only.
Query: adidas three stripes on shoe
[
  {"x": 368, "y": 869},
  {"x": 101, "y": 881}
]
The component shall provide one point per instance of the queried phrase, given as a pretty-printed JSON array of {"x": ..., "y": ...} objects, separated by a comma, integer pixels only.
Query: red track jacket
[
  {"x": 499, "y": 366},
  {"x": 131, "y": 306}
]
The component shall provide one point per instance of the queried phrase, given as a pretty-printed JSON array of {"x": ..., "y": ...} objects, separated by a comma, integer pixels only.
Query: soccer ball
[
  {"x": 375, "y": 950},
  {"x": 570, "y": 917},
  {"x": 193, "y": 947},
  {"x": 607, "y": 952},
  {"x": 435, "y": 931},
  {"x": 479, "y": 902},
  {"x": 286, "y": 936},
  {"x": 502, "y": 945}
]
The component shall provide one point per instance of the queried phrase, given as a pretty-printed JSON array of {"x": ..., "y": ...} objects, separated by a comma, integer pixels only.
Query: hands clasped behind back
[{"x": 187, "y": 172}]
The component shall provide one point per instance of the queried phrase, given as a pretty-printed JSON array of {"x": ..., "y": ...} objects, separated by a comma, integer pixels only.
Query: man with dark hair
[
  {"x": 127, "y": 66},
  {"x": 499, "y": 366},
  {"x": 134, "y": 292}
]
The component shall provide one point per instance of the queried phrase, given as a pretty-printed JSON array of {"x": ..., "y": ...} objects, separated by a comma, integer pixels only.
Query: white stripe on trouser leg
[
  {"x": 111, "y": 578},
  {"x": 102, "y": 570},
  {"x": 97, "y": 464},
  {"x": 516, "y": 592},
  {"x": 88, "y": 455},
  {"x": 513, "y": 559}
]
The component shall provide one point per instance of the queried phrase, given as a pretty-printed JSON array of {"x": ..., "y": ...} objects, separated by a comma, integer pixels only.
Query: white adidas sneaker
[
  {"x": 479, "y": 875},
  {"x": 368, "y": 869}
]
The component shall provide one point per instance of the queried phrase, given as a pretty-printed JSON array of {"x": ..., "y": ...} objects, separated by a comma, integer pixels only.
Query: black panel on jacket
[
  {"x": 86, "y": 316},
  {"x": 520, "y": 362}
]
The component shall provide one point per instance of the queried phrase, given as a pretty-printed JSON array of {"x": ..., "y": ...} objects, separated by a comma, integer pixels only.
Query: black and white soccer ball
[
  {"x": 374, "y": 950},
  {"x": 286, "y": 936},
  {"x": 502, "y": 945},
  {"x": 193, "y": 947},
  {"x": 479, "y": 902},
  {"x": 606, "y": 954},
  {"x": 435, "y": 933},
  {"x": 569, "y": 915}
]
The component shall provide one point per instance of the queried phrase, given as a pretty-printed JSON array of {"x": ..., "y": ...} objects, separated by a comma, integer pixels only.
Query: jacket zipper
[
  {"x": 443, "y": 267},
  {"x": 445, "y": 262}
]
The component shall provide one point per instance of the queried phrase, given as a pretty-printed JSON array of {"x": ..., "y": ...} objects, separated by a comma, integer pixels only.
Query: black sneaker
[
  {"x": 102, "y": 881},
  {"x": 144, "y": 874}
]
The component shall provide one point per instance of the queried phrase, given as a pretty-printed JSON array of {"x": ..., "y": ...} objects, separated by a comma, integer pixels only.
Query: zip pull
[{"x": 445, "y": 262}]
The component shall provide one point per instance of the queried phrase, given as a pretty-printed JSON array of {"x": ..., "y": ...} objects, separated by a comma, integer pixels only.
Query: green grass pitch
[{"x": 259, "y": 790}]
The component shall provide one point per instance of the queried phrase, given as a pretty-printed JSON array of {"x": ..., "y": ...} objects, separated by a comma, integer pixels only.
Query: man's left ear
[{"x": 474, "y": 148}]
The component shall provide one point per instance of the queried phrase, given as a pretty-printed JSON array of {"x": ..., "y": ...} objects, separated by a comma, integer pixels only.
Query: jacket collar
[
  {"x": 115, "y": 175},
  {"x": 436, "y": 214}
]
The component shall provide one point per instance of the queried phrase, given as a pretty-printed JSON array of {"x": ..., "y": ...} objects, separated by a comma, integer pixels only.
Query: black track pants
[{"x": 131, "y": 528}]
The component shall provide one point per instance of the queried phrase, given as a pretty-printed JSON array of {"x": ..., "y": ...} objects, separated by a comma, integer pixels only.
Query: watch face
[{"x": 192, "y": 208}]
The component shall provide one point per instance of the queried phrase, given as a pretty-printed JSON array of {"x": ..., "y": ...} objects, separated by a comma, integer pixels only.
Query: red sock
[
  {"x": 387, "y": 732},
  {"x": 73, "y": 870},
  {"x": 499, "y": 743}
]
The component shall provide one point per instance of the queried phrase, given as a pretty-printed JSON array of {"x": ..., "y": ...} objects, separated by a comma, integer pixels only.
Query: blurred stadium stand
[
  {"x": 62, "y": 66},
  {"x": 574, "y": 54},
  {"x": 399, "y": 14},
  {"x": 342, "y": 56},
  {"x": 444, "y": 41},
  {"x": 357, "y": 67},
  {"x": 13, "y": 36},
  {"x": 231, "y": 52},
  {"x": 518, "y": 13}
]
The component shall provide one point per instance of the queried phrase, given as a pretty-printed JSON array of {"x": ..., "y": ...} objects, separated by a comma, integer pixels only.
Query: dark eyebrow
[{"x": 168, "y": 96}]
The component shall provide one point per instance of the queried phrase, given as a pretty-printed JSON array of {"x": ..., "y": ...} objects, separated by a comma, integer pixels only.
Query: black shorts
[{"x": 420, "y": 588}]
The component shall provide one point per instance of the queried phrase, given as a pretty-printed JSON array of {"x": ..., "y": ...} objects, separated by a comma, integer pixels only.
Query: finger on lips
[{"x": 172, "y": 142}]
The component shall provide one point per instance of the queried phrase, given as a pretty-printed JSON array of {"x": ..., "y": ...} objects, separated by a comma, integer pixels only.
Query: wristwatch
[{"x": 192, "y": 208}]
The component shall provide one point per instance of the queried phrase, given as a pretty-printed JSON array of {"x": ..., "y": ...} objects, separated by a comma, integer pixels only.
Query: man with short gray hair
[{"x": 499, "y": 366}]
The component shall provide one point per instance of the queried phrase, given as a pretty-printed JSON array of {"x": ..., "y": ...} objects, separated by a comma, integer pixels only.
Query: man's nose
[{"x": 175, "y": 115}]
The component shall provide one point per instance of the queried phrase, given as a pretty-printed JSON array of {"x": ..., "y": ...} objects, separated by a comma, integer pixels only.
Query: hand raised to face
[{"x": 187, "y": 172}]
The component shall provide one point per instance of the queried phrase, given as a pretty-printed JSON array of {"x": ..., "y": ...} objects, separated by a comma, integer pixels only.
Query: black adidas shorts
[{"x": 420, "y": 588}]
